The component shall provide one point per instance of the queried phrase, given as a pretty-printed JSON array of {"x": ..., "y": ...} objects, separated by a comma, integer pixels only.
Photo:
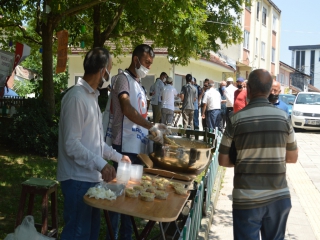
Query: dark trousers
[
  {"x": 270, "y": 220},
  {"x": 213, "y": 118},
  {"x": 229, "y": 110},
  {"x": 125, "y": 226}
]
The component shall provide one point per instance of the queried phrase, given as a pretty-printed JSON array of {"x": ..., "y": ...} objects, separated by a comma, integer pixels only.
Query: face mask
[
  {"x": 164, "y": 80},
  {"x": 239, "y": 86},
  {"x": 273, "y": 98},
  {"x": 142, "y": 71},
  {"x": 223, "y": 88},
  {"x": 104, "y": 83}
]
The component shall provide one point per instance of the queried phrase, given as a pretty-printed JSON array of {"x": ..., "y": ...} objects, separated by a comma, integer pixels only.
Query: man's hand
[
  {"x": 157, "y": 132},
  {"x": 203, "y": 116},
  {"x": 108, "y": 173},
  {"x": 125, "y": 158}
]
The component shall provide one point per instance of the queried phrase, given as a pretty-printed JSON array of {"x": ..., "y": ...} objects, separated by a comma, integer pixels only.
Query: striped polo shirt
[{"x": 262, "y": 134}]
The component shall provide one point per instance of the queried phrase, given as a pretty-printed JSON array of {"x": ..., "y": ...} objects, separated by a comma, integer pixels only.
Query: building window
[
  {"x": 300, "y": 60},
  {"x": 274, "y": 23},
  {"x": 312, "y": 60},
  {"x": 258, "y": 10},
  {"x": 246, "y": 39},
  {"x": 263, "y": 47},
  {"x": 273, "y": 55},
  {"x": 257, "y": 47},
  {"x": 281, "y": 80},
  {"x": 264, "y": 16},
  {"x": 248, "y": 4}
]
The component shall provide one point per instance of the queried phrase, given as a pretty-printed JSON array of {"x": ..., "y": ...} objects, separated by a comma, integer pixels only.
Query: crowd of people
[{"x": 83, "y": 138}]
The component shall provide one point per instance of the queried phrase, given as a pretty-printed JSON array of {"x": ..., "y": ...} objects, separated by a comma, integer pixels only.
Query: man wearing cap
[
  {"x": 168, "y": 94},
  {"x": 240, "y": 96},
  {"x": 229, "y": 94},
  {"x": 155, "y": 93}
]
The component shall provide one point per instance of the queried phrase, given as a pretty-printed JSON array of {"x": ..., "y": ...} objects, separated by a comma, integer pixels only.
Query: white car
[{"x": 306, "y": 111}]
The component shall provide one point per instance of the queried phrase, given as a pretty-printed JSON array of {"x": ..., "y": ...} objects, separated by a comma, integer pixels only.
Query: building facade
[
  {"x": 261, "y": 21},
  {"x": 306, "y": 58},
  {"x": 212, "y": 68}
]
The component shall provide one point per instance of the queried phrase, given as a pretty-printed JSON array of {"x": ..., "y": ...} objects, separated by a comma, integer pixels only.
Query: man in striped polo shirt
[{"x": 265, "y": 142}]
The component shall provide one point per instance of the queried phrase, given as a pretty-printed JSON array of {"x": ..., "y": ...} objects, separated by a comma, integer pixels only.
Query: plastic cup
[
  {"x": 136, "y": 172},
  {"x": 123, "y": 172}
]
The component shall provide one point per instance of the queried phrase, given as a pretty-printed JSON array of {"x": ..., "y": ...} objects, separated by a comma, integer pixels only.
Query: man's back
[
  {"x": 169, "y": 92},
  {"x": 262, "y": 134},
  {"x": 190, "y": 94}
]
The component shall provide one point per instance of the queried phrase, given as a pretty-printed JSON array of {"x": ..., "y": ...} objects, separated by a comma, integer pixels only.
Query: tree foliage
[{"x": 187, "y": 28}]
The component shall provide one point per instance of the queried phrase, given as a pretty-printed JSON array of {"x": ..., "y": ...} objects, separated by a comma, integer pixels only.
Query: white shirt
[
  {"x": 81, "y": 144},
  {"x": 168, "y": 94},
  {"x": 157, "y": 88},
  {"x": 213, "y": 99},
  {"x": 229, "y": 93}
]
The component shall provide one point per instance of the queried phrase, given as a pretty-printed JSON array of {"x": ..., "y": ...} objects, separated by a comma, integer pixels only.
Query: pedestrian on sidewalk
[{"x": 265, "y": 142}]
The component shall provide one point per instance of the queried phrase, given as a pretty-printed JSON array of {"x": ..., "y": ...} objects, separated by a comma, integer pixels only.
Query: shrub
[{"x": 33, "y": 130}]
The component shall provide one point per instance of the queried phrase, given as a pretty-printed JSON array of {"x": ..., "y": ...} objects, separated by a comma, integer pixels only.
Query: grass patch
[{"x": 15, "y": 169}]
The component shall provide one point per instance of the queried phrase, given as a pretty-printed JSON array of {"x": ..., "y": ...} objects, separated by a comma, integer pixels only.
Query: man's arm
[
  {"x": 204, "y": 107},
  {"x": 224, "y": 160},
  {"x": 292, "y": 156},
  {"x": 131, "y": 113}
]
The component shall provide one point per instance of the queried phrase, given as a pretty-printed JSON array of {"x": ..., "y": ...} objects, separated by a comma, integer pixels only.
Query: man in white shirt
[
  {"x": 82, "y": 149},
  {"x": 155, "y": 91},
  {"x": 229, "y": 94},
  {"x": 212, "y": 107},
  {"x": 168, "y": 94}
]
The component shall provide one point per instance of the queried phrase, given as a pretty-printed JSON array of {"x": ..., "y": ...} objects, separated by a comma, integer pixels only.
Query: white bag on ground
[{"x": 27, "y": 231}]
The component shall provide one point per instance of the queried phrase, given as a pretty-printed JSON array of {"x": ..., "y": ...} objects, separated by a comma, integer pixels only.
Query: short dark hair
[
  {"x": 258, "y": 83},
  {"x": 206, "y": 80},
  {"x": 96, "y": 59},
  {"x": 163, "y": 74},
  {"x": 188, "y": 77},
  {"x": 141, "y": 49}
]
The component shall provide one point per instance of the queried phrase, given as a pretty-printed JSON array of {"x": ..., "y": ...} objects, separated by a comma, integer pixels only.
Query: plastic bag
[{"x": 27, "y": 231}]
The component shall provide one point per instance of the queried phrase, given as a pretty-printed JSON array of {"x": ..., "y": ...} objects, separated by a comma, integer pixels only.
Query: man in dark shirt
[{"x": 188, "y": 96}]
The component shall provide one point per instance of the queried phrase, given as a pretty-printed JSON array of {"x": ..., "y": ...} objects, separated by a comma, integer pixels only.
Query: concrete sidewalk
[{"x": 304, "y": 218}]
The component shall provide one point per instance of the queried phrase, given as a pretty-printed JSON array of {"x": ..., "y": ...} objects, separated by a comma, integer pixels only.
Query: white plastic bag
[{"x": 27, "y": 231}]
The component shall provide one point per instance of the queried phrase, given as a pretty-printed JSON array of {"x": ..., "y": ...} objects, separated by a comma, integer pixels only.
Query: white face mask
[
  {"x": 142, "y": 71},
  {"x": 164, "y": 80},
  {"x": 104, "y": 82}
]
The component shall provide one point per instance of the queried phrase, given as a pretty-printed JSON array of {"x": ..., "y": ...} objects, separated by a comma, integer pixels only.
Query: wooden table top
[{"x": 159, "y": 210}]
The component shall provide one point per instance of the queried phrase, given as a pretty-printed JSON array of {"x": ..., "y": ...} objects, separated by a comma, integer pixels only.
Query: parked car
[
  {"x": 287, "y": 99},
  {"x": 306, "y": 111}
]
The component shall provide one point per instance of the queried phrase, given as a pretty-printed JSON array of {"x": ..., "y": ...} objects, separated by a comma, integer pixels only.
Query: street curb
[{"x": 207, "y": 220}]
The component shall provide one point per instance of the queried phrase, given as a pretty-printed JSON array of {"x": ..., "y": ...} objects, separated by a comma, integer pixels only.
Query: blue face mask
[{"x": 223, "y": 88}]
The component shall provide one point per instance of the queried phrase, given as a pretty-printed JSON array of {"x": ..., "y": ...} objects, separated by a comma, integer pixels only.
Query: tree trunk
[
  {"x": 96, "y": 29},
  {"x": 47, "y": 65}
]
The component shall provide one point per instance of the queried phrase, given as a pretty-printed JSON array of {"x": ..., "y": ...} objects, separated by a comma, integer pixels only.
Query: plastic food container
[
  {"x": 161, "y": 195},
  {"x": 131, "y": 193},
  {"x": 123, "y": 172},
  {"x": 136, "y": 172},
  {"x": 146, "y": 196}
]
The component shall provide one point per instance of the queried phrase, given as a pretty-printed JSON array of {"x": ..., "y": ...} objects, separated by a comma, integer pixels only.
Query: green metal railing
[{"x": 205, "y": 188}]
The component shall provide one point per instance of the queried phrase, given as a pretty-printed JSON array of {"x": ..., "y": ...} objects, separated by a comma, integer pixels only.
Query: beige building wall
[{"x": 200, "y": 69}]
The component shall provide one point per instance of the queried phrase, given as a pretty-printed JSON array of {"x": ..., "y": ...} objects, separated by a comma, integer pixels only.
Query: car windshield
[
  {"x": 310, "y": 99},
  {"x": 287, "y": 98}
]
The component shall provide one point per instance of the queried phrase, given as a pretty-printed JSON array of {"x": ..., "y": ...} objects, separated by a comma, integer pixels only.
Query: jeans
[
  {"x": 196, "y": 119},
  {"x": 270, "y": 220},
  {"x": 213, "y": 119},
  {"x": 82, "y": 222},
  {"x": 115, "y": 218}
]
